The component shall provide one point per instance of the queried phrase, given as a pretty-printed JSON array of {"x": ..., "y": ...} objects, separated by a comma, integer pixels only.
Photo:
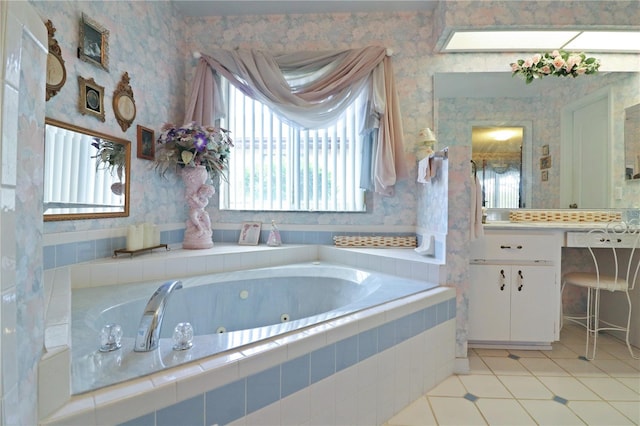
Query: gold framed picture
[
  {"x": 250, "y": 233},
  {"x": 545, "y": 149},
  {"x": 544, "y": 175},
  {"x": 146, "y": 143},
  {"x": 94, "y": 43},
  {"x": 91, "y": 99},
  {"x": 545, "y": 162}
]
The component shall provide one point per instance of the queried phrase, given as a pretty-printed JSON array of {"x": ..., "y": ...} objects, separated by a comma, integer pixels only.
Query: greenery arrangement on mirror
[
  {"x": 110, "y": 155},
  {"x": 558, "y": 63},
  {"x": 193, "y": 145}
]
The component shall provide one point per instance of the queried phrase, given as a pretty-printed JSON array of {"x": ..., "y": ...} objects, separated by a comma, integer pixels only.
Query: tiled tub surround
[
  {"x": 248, "y": 304},
  {"x": 68, "y": 248},
  {"x": 370, "y": 352}
]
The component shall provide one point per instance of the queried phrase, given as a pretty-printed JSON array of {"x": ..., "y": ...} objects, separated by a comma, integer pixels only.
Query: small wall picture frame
[
  {"x": 91, "y": 100},
  {"x": 544, "y": 175},
  {"x": 146, "y": 144},
  {"x": 545, "y": 149},
  {"x": 94, "y": 43},
  {"x": 545, "y": 162},
  {"x": 250, "y": 233}
]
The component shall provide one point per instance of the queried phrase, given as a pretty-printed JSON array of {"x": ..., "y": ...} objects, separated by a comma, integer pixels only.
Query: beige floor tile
[
  {"x": 543, "y": 366},
  {"x": 505, "y": 366},
  {"x": 616, "y": 367},
  {"x": 635, "y": 363},
  {"x": 632, "y": 383},
  {"x": 532, "y": 381},
  {"x": 629, "y": 409},
  {"x": 451, "y": 386},
  {"x": 580, "y": 367},
  {"x": 484, "y": 386},
  {"x": 607, "y": 352},
  {"x": 610, "y": 389},
  {"x": 598, "y": 413},
  {"x": 418, "y": 413},
  {"x": 620, "y": 350},
  {"x": 569, "y": 388},
  {"x": 491, "y": 352},
  {"x": 526, "y": 387},
  {"x": 574, "y": 337},
  {"x": 477, "y": 366},
  {"x": 455, "y": 411},
  {"x": 506, "y": 412},
  {"x": 561, "y": 351},
  {"x": 550, "y": 413},
  {"x": 527, "y": 353}
]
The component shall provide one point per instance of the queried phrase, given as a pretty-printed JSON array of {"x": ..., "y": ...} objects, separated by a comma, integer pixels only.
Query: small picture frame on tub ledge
[{"x": 250, "y": 233}]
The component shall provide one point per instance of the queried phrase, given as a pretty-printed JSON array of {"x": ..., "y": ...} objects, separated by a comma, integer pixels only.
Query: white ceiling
[{"x": 279, "y": 7}]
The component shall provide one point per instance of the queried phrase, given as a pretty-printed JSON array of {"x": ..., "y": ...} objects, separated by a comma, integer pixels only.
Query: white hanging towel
[
  {"x": 423, "y": 170},
  {"x": 428, "y": 168},
  {"x": 477, "y": 230}
]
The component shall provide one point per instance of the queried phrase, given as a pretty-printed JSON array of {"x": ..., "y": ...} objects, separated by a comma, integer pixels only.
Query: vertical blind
[
  {"x": 501, "y": 190},
  {"x": 275, "y": 166},
  {"x": 71, "y": 179}
]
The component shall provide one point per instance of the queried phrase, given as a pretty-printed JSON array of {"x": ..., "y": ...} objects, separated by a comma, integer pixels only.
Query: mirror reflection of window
[
  {"x": 497, "y": 152},
  {"x": 632, "y": 142}
]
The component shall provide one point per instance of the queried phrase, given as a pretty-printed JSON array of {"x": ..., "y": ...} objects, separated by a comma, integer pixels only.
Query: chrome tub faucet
[{"x": 151, "y": 321}]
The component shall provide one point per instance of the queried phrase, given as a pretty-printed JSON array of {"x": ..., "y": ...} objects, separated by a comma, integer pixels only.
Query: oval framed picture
[
  {"x": 124, "y": 106},
  {"x": 56, "y": 70}
]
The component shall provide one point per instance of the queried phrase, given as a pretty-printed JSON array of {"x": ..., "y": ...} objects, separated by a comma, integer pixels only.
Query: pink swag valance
[{"x": 311, "y": 90}]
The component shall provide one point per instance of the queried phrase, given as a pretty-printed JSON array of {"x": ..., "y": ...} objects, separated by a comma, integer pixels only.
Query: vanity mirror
[
  {"x": 555, "y": 165},
  {"x": 497, "y": 151},
  {"x": 86, "y": 173},
  {"x": 632, "y": 142}
]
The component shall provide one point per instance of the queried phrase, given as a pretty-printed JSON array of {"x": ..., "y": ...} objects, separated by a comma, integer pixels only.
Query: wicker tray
[
  {"x": 375, "y": 242},
  {"x": 563, "y": 216}
]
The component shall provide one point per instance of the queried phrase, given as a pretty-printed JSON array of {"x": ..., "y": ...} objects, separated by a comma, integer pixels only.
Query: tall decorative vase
[{"x": 197, "y": 194}]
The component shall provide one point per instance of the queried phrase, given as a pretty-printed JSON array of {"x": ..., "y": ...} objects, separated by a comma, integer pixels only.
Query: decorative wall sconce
[{"x": 427, "y": 139}]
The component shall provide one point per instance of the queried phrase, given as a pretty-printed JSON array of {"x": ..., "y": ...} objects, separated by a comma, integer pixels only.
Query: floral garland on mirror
[{"x": 558, "y": 63}]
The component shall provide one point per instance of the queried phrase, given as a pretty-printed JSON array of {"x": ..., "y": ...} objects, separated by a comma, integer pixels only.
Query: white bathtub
[{"x": 228, "y": 311}]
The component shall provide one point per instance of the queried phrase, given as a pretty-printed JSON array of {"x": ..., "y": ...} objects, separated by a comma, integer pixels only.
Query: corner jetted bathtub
[{"x": 228, "y": 311}]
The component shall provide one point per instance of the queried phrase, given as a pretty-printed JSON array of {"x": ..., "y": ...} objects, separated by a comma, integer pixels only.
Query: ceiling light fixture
[{"x": 542, "y": 40}]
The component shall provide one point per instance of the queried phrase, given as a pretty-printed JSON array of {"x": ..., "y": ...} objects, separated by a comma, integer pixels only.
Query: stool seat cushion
[{"x": 588, "y": 279}]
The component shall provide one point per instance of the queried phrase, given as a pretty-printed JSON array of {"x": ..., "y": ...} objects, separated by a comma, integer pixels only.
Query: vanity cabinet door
[
  {"x": 533, "y": 308},
  {"x": 489, "y": 303},
  {"x": 512, "y": 303}
]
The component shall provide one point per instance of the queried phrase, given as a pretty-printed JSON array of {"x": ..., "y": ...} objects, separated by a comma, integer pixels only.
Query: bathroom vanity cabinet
[{"x": 514, "y": 289}]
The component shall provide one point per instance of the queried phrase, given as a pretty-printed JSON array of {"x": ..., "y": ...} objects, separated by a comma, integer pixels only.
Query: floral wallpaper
[{"x": 144, "y": 41}]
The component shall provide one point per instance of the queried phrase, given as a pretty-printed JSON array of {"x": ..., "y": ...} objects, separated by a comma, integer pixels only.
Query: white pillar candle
[
  {"x": 156, "y": 235},
  {"x": 148, "y": 234},
  {"x": 131, "y": 237},
  {"x": 139, "y": 236}
]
